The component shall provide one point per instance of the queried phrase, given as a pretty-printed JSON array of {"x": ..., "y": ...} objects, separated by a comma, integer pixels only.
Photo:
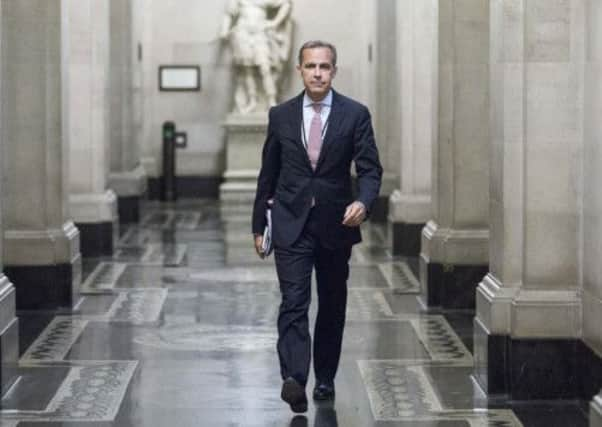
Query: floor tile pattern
[
  {"x": 178, "y": 328},
  {"x": 56, "y": 340}
]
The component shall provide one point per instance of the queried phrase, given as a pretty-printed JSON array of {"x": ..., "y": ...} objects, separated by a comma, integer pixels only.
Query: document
[{"x": 267, "y": 245}]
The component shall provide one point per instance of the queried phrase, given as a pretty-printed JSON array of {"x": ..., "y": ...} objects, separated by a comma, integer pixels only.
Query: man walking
[{"x": 306, "y": 162}]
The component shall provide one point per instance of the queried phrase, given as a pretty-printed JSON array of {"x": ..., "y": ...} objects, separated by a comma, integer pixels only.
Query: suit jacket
[{"x": 286, "y": 174}]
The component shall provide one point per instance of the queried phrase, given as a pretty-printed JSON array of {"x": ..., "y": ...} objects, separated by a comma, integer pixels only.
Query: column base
[
  {"x": 449, "y": 286},
  {"x": 9, "y": 352},
  {"x": 595, "y": 411},
  {"x": 46, "y": 287},
  {"x": 129, "y": 209},
  {"x": 154, "y": 185},
  {"x": 407, "y": 217},
  {"x": 198, "y": 186},
  {"x": 96, "y": 218},
  {"x": 130, "y": 187},
  {"x": 9, "y": 335},
  {"x": 405, "y": 238},
  {"x": 189, "y": 186},
  {"x": 535, "y": 369},
  {"x": 96, "y": 239}
]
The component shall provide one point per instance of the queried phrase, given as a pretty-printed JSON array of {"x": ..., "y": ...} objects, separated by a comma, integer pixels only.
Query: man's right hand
[{"x": 258, "y": 246}]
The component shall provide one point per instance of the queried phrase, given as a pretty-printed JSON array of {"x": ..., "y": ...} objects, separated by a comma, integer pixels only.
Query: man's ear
[
  {"x": 299, "y": 67},
  {"x": 334, "y": 72}
]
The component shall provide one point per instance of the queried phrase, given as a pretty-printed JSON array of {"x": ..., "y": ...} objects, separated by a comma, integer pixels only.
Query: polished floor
[{"x": 178, "y": 329}]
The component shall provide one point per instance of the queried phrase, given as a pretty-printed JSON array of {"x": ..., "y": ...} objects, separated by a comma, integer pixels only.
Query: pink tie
[{"x": 315, "y": 136}]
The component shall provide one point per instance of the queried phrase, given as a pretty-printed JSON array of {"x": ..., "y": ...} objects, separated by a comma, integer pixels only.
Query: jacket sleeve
[
  {"x": 268, "y": 177},
  {"x": 367, "y": 164}
]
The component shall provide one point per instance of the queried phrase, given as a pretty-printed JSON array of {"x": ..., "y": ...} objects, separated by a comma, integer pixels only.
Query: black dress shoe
[
  {"x": 293, "y": 393},
  {"x": 323, "y": 391}
]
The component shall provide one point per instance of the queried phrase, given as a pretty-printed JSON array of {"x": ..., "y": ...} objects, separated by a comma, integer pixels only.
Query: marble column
[
  {"x": 529, "y": 306},
  {"x": 410, "y": 204},
  {"x": 41, "y": 243},
  {"x": 387, "y": 111},
  {"x": 127, "y": 177},
  {"x": 86, "y": 120},
  {"x": 454, "y": 251},
  {"x": 592, "y": 201},
  {"x": 150, "y": 144},
  {"x": 9, "y": 324}
]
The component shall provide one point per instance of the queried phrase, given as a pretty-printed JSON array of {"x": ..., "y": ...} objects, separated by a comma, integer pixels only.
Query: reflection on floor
[{"x": 178, "y": 329}]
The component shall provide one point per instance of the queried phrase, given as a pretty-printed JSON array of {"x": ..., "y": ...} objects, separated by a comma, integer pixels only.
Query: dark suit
[{"x": 306, "y": 237}]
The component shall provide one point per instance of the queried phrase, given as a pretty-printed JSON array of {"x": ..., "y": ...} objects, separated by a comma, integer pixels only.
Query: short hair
[{"x": 312, "y": 44}]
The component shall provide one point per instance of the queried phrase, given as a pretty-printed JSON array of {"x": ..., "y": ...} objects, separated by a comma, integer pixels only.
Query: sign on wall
[{"x": 179, "y": 78}]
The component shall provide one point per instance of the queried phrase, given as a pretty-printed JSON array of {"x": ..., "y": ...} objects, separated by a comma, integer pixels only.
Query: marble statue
[{"x": 259, "y": 33}]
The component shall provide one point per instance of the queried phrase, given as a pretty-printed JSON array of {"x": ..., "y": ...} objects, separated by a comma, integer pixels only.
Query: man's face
[{"x": 317, "y": 72}]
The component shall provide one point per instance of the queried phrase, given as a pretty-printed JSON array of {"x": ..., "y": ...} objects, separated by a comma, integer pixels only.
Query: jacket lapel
[
  {"x": 296, "y": 118},
  {"x": 335, "y": 119},
  {"x": 296, "y": 121}
]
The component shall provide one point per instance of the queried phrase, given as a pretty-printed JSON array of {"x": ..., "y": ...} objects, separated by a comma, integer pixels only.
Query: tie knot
[{"x": 317, "y": 107}]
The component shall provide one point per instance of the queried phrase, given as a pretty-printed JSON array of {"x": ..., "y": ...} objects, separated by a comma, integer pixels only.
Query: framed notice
[{"x": 179, "y": 78}]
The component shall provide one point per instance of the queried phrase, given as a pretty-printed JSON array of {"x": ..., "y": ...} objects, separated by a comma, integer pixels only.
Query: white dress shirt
[{"x": 308, "y": 115}]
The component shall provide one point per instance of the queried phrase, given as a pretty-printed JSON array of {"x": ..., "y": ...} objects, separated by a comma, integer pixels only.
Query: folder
[{"x": 267, "y": 245}]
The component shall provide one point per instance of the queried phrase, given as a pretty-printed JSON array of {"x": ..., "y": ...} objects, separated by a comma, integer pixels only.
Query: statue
[{"x": 259, "y": 32}]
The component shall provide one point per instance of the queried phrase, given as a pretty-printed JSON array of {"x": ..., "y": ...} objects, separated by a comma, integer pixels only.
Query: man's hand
[
  {"x": 258, "y": 246},
  {"x": 354, "y": 214}
]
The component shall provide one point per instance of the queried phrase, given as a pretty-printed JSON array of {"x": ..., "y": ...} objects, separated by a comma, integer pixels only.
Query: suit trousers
[{"x": 294, "y": 265}]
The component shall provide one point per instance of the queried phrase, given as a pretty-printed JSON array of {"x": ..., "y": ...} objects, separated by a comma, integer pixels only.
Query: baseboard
[
  {"x": 450, "y": 286},
  {"x": 129, "y": 209},
  {"x": 96, "y": 239},
  {"x": 535, "y": 369},
  {"x": 45, "y": 287},
  {"x": 205, "y": 187},
  {"x": 405, "y": 238}
]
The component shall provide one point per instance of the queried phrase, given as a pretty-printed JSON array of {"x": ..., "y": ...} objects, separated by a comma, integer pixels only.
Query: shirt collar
[{"x": 326, "y": 102}]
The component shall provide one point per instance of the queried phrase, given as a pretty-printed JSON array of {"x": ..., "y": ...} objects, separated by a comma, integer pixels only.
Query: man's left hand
[{"x": 354, "y": 214}]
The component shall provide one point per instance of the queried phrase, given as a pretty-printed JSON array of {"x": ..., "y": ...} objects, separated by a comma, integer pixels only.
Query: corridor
[{"x": 178, "y": 329}]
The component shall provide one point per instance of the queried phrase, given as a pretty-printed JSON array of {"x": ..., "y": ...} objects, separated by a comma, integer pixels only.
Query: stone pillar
[
  {"x": 127, "y": 177},
  {"x": 454, "y": 252},
  {"x": 387, "y": 112},
  {"x": 9, "y": 324},
  {"x": 528, "y": 306},
  {"x": 41, "y": 242},
  {"x": 592, "y": 207},
  {"x": 410, "y": 205},
  {"x": 139, "y": 12},
  {"x": 86, "y": 124},
  {"x": 150, "y": 147}
]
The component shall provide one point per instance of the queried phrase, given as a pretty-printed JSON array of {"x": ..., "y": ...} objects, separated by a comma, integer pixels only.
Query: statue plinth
[{"x": 245, "y": 135}]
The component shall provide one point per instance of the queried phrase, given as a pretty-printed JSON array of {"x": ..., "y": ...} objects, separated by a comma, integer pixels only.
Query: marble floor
[{"x": 178, "y": 329}]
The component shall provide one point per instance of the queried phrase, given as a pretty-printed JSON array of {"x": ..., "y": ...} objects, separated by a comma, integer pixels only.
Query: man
[{"x": 306, "y": 161}]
